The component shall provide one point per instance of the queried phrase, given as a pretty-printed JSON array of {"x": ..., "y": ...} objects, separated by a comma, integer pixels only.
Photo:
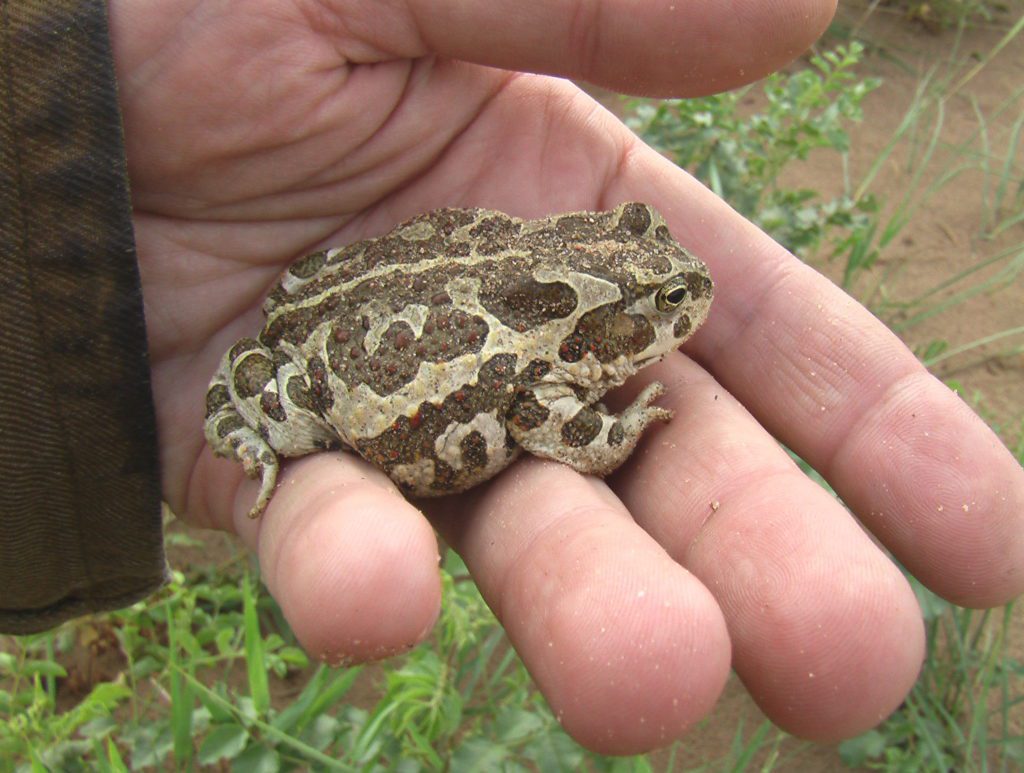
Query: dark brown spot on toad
[
  {"x": 608, "y": 332},
  {"x": 306, "y": 267},
  {"x": 700, "y": 285},
  {"x": 229, "y": 424},
  {"x": 217, "y": 396},
  {"x": 318, "y": 388},
  {"x": 523, "y": 303},
  {"x": 270, "y": 403},
  {"x": 635, "y": 218},
  {"x": 527, "y": 413},
  {"x": 582, "y": 428},
  {"x": 298, "y": 393},
  {"x": 242, "y": 346},
  {"x": 474, "y": 451},
  {"x": 494, "y": 234},
  {"x": 535, "y": 371},
  {"x": 616, "y": 434},
  {"x": 253, "y": 373}
]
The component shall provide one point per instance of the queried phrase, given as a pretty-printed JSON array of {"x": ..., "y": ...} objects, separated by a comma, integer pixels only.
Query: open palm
[{"x": 260, "y": 131}]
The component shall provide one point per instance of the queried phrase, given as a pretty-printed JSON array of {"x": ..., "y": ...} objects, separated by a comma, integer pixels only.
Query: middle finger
[{"x": 627, "y": 646}]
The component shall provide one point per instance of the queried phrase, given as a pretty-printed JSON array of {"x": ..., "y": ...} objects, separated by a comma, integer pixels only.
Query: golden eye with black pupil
[{"x": 670, "y": 294}]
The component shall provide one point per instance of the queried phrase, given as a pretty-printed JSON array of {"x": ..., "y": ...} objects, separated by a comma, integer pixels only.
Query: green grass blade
[
  {"x": 984, "y": 340},
  {"x": 747, "y": 751},
  {"x": 181, "y": 696},
  {"x": 115, "y": 762},
  {"x": 266, "y": 729},
  {"x": 990, "y": 54},
  {"x": 326, "y": 687},
  {"x": 255, "y": 656}
]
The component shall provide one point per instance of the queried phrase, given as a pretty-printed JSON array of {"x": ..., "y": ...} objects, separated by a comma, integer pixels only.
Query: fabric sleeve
[{"x": 80, "y": 508}]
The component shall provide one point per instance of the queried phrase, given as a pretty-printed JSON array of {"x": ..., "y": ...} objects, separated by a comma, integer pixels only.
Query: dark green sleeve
[{"x": 80, "y": 525}]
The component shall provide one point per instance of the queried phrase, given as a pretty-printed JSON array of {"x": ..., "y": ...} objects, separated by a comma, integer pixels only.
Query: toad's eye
[{"x": 671, "y": 294}]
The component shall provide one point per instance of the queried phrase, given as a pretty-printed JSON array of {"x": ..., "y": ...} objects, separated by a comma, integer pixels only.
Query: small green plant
[
  {"x": 32, "y": 729},
  {"x": 461, "y": 701},
  {"x": 740, "y": 157},
  {"x": 147, "y": 714}
]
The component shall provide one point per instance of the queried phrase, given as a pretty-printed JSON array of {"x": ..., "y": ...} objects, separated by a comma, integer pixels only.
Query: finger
[
  {"x": 826, "y": 632},
  {"x": 352, "y": 564},
  {"x": 627, "y": 647},
  {"x": 830, "y": 381},
  {"x": 683, "y": 48}
]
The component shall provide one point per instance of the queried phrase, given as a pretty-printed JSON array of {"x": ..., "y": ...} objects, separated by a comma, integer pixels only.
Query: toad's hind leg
[
  {"x": 550, "y": 421},
  {"x": 258, "y": 409}
]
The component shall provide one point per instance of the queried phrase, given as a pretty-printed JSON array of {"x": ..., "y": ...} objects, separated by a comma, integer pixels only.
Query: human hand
[{"x": 259, "y": 132}]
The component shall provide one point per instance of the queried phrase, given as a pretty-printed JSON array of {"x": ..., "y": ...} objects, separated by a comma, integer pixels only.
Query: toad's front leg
[
  {"x": 550, "y": 421},
  {"x": 259, "y": 407}
]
